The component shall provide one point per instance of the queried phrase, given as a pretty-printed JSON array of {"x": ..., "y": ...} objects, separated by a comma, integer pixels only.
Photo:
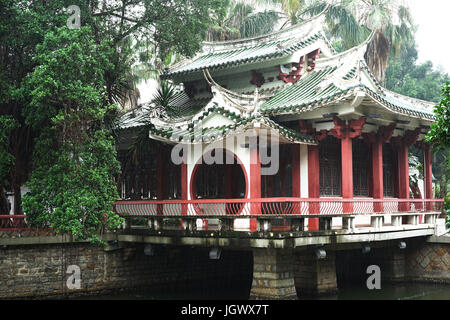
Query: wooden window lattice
[{"x": 330, "y": 167}]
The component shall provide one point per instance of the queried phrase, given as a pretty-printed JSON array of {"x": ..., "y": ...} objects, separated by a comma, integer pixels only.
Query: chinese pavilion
[{"x": 279, "y": 116}]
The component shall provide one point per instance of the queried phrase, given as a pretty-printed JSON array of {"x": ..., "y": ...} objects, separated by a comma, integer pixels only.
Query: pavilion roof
[
  {"x": 338, "y": 78},
  {"x": 226, "y": 54},
  {"x": 334, "y": 79}
]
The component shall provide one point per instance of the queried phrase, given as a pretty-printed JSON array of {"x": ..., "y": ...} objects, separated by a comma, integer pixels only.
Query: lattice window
[
  {"x": 138, "y": 178},
  {"x": 172, "y": 178},
  {"x": 361, "y": 168},
  {"x": 279, "y": 184},
  {"x": 330, "y": 166},
  {"x": 219, "y": 181}
]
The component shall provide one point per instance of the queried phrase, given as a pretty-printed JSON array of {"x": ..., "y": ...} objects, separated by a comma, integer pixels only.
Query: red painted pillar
[
  {"x": 160, "y": 185},
  {"x": 346, "y": 132},
  {"x": 313, "y": 185},
  {"x": 184, "y": 186},
  {"x": 347, "y": 173},
  {"x": 377, "y": 174},
  {"x": 428, "y": 177},
  {"x": 403, "y": 176},
  {"x": 255, "y": 180}
]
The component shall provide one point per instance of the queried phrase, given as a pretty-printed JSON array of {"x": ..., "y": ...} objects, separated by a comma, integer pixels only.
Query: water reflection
[{"x": 394, "y": 291}]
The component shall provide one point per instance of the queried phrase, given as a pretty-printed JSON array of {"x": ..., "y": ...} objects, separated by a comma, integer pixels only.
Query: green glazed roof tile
[{"x": 240, "y": 56}]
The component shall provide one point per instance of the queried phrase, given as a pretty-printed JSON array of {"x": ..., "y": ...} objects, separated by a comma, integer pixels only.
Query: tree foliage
[
  {"x": 241, "y": 20},
  {"x": 439, "y": 137},
  {"x": 71, "y": 187},
  {"x": 61, "y": 88},
  {"x": 405, "y": 76}
]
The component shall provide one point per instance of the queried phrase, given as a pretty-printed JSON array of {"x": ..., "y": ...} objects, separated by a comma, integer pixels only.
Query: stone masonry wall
[
  {"x": 426, "y": 261},
  {"x": 31, "y": 271}
]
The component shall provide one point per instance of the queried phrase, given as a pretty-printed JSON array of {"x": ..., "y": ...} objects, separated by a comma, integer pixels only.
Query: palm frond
[
  {"x": 163, "y": 96},
  {"x": 259, "y": 23}
]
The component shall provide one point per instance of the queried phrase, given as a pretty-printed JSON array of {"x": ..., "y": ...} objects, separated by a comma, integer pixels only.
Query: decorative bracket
[
  {"x": 312, "y": 57},
  {"x": 307, "y": 129},
  {"x": 257, "y": 78},
  {"x": 410, "y": 137},
  {"x": 383, "y": 135},
  {"x": 352, "y": 130},
  {"x": 293, "y": 76}
]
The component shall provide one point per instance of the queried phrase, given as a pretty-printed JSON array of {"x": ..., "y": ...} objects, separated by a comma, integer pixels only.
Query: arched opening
[{"x": 223, "y": 179}]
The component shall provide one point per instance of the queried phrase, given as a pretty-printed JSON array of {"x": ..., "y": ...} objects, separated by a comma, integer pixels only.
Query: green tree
[
  {"x": 63, "y": 100},
  {"x": 405, "y": 76},
  {"x": 389, "y": 21},
  {"x": 71, "y": 187},
  {"x": 439, "y": 138},
  {"x": 7, "y": 125},
  {"x": 241, "y": 21}
]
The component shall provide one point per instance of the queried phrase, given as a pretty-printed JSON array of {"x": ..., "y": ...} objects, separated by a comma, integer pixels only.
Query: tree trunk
[
  {"x": 17, "y": 200},
  {"x": 4, "y": 203},
  {"x": 377, "y": 55}
]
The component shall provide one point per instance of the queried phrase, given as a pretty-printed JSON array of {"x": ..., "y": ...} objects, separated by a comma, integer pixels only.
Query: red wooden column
[
  {"x": 255, "y": 180},
  {"x": 313, "y": 185},
  {"x": 376, "y": 141},
  {"x": 347, "y": 132},
  {"x": 313, "y": 172},
  {"x": 347, "y": 172},
  {"x": 377, "y": 175},
  {"x": 184, "y": 186},
  {"x": 428, "y": 172},
  {"x": 403, "y": 175},
  {"x": 402, "y": 144},
  {"x": 161, "y": 186}
]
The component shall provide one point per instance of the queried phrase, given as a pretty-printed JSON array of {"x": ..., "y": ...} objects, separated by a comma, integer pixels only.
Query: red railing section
[
  {"x": 13, "y": 223},
  {"x": 246, "y": 207},
  {"x": 274, "y": 206}
]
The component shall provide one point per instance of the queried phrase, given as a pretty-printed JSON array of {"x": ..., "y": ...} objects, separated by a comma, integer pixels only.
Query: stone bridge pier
[{"x": 286, "y": 273}]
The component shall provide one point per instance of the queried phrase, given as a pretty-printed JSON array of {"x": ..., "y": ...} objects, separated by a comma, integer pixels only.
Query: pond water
[{"x": 391, "y": 291}]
